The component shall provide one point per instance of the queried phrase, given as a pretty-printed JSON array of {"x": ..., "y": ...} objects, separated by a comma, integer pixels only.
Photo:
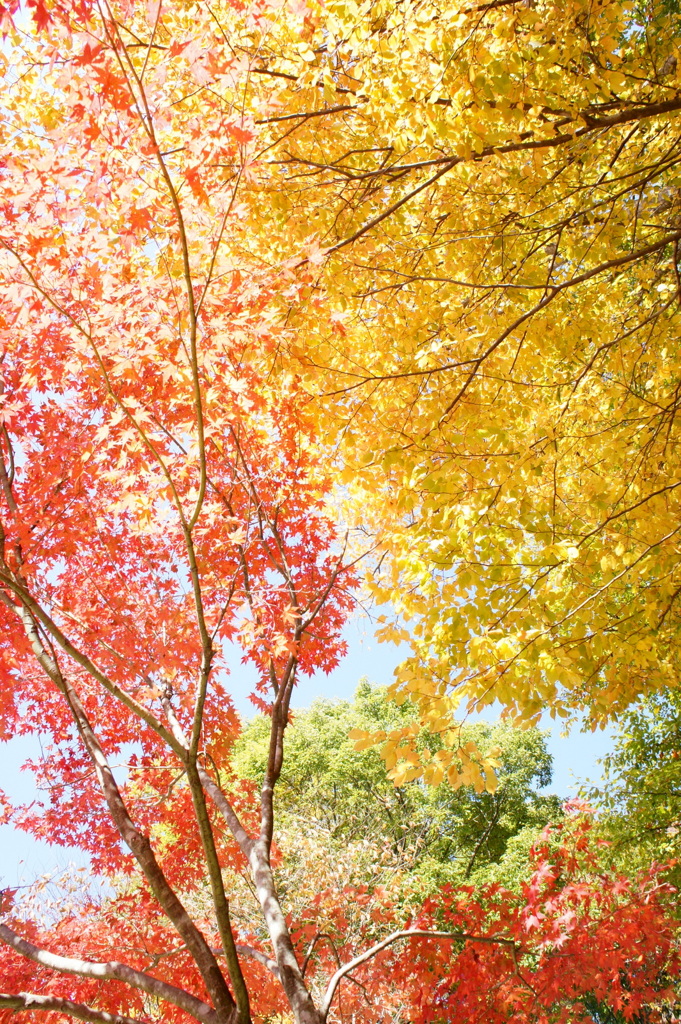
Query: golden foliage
[{"x": 487, "y": 199}]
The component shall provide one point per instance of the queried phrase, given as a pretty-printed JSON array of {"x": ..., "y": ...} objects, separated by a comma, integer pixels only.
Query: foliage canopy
[{"x": 288, "y": 289}]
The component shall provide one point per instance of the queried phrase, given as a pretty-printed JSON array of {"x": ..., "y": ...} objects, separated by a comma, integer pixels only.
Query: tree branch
[
  {"x": 227, "y": 811},
  {"x": 407, "y": 933},
  {"x": 591, "y": 123},
  {"x": 27, "y": 1001},
  {"x": 308, "y": 113},
  {"x": 553, "y": 292},
  {"x": 263, "y": 958},
  {"x": 136, "y": 841},
  {"x": 21, "y": 592},
  {"x": 112, "y": 970}
]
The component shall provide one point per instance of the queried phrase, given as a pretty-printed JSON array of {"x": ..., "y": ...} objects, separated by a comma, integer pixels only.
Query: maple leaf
[
  {"x": 193, "y": 177},
  {"x": 239, "y": 133},
  {"x": 39, "y": 12}
]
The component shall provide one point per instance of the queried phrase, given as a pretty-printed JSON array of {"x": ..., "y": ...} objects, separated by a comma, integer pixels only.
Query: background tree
[
  {"x": 640, "y": 795},
  {"x": 436, "y": 835}
]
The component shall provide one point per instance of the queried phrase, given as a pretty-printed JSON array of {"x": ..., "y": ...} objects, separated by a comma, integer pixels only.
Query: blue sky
[{"x": 22, "y": 859}]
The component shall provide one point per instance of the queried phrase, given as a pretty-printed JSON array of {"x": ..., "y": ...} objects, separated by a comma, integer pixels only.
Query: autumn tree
[
  {"x": 163, "y": 496},
  {"x": 174, "y": 203},
  {"x": 500, "y": 231}
]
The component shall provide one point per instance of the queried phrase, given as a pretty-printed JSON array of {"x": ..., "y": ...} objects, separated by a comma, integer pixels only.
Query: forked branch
[
  {"x": 112, "y": 970},
  {"x": 406, "y": 933},
  {"x": 51, "y": 1004}
]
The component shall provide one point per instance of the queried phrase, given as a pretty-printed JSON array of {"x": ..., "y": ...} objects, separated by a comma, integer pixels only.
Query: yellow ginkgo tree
[{"x": 486, "y": 199}]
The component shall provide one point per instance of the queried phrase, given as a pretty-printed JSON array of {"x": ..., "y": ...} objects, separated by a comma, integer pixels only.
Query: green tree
[
  {"x": 640, "y": 798},
  {"x": 437, "y": 834}
]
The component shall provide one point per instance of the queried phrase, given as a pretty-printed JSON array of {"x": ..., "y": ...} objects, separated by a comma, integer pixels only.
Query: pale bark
[
  {"x": 26, "y": 1001},
  {"x": 113, "y": 970}
]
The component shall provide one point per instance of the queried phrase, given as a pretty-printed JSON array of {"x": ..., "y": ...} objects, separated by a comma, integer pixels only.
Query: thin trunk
[{"x": 300, "y": 1000}]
